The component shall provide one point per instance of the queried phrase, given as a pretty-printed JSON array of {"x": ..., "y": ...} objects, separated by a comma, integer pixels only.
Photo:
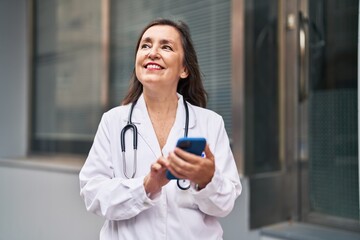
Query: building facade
[{"x": 283, "y": 74}]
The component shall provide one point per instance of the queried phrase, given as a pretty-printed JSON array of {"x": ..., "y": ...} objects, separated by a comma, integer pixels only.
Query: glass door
[
  {"x": 301, "y": 134},
  {"x": 327, "y": 104}
]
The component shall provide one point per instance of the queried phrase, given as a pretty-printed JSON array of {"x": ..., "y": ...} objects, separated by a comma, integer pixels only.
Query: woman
[{"x": 137, "y": 200}]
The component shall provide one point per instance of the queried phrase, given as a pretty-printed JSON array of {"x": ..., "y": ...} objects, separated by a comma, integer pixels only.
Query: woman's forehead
[{"x": 162, "y": 32}]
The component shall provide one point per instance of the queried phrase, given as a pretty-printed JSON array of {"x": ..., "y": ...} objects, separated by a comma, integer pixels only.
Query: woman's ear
[{"x": 184, "y": 73}]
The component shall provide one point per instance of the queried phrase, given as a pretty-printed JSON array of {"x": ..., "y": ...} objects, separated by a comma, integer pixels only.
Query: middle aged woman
[{"x": 146, "y": 204}]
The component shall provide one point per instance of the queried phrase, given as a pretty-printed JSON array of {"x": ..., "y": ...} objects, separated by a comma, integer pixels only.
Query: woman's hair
[{"x": 191, "y": 87}]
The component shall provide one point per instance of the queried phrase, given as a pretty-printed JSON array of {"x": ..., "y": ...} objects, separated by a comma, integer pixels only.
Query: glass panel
[
  {"x": 262, "y": 87},
  {"x": 333, "y": 123},
  {"x": 67, "y": 74},
  {"x": 210, "y": 26}
]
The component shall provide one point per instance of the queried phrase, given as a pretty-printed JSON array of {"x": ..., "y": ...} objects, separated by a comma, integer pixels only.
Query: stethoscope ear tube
[
  {"x": 122, "y": 136},
  {"x": 184, "y": 184},
  {"x": 128, "y": 126},
  {"x": 125, "y": 168},
  {"x": 122, "y": 140},
  {"x": 186, "y": 118}
]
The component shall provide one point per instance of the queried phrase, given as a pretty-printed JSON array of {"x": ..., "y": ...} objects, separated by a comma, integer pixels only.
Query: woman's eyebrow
[
  {"x": 147, "y": 39},
  {"x": 162, "y": 41},
  {"x": 166, "y": 41}
]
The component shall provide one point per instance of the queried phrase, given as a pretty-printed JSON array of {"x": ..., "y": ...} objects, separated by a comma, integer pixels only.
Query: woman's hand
[
  {"x": 156, "y": 179},
  {"x": 199, "y": 170}
]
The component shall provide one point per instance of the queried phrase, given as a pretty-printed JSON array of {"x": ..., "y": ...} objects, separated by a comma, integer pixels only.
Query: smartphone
[{"x": 192, "y": 145}]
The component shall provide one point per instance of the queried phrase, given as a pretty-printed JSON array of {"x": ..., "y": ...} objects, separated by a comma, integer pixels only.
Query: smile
[{"x": 151, "y": 66}]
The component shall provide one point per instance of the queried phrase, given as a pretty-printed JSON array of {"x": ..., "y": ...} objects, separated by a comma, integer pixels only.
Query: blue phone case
[{"x": 192, "y": 145}]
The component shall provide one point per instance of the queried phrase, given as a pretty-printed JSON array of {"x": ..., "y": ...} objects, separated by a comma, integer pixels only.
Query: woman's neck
[
  {"x": 161, "y": 105},
  {"x": 162, "y": 112}
]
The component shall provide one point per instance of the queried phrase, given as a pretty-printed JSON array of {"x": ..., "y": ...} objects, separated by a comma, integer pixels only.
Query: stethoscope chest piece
[{"x": 183, "y": 184}]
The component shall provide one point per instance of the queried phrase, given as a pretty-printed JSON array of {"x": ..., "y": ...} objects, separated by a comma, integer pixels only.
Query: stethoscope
[{"x": 183, "y": 184}]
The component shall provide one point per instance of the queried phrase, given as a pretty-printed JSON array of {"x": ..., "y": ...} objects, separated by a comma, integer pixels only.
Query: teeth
[{"x": 153, "y": 66}]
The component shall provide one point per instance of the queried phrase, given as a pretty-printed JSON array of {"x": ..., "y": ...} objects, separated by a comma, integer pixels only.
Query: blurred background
[{"x": 282, "y": 73}]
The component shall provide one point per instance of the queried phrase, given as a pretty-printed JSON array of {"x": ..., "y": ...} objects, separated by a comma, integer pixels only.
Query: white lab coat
[{"x": 173, "y": 213}]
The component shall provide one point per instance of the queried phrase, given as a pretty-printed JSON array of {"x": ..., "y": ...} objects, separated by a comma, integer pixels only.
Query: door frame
[{"x": 274, "y": 196}]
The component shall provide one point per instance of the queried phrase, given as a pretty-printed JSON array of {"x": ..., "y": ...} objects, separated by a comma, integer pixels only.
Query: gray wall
[
  {"x": 43, "y": 204},
  {"x": 14, "y": 82},
  {"x": 236, "y": 224}
]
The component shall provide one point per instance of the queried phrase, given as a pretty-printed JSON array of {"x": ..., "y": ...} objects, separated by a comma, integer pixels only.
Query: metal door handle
[{"x": 303, "y": 67}]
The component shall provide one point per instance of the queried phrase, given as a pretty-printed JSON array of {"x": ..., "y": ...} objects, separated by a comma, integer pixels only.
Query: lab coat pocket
[{"x": 185, "y": 199}]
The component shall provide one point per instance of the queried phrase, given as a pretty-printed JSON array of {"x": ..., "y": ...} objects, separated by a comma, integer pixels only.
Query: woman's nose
[{"x": 153, "y": 53}]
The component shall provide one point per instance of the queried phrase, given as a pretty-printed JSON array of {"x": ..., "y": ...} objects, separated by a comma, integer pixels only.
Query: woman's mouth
[{"x": 153, "y": 66}]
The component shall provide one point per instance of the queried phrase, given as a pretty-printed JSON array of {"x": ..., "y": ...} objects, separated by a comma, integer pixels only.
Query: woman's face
[{"x": 159, "y": 58}]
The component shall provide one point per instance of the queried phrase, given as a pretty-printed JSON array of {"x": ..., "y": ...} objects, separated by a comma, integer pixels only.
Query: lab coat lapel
[
  {"x": 145, "y": 129},
  {"x": 179, "y": 125}
]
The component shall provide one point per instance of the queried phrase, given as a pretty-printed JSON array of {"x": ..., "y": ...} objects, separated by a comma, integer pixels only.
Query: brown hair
[{"x": 191, "y": 87}]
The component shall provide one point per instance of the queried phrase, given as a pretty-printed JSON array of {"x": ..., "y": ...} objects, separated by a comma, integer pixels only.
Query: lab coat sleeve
[
  {"x": 105, "y": 195},
  {"x": 218, "y": 197}
]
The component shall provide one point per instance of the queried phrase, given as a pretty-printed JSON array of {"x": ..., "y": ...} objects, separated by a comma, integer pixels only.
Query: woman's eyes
[
  {"x": 166, "y": 47},
  {"x": 145, "y": 45}
]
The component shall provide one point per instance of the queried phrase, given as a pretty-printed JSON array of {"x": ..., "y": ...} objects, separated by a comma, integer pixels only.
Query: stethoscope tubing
[
  {"x": 129, "y": 125},
  {"x": 132, "y": 126}
]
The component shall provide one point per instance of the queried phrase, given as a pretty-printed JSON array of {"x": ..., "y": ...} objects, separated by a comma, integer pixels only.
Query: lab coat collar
[
  {"x": 182, "y": 115},
  {"x": 140, "y": 115}
]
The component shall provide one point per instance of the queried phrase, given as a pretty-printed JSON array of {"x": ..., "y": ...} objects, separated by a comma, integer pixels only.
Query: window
[
  {"x": 69, "y": 69},
  {"x": 67, "y": 75}
]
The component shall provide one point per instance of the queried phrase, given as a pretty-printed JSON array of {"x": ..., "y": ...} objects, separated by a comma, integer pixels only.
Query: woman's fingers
[
  {"x": 198, "y": 169},
  {"x": 156, "y": 179},
  {"x": 161, "y": 163}
]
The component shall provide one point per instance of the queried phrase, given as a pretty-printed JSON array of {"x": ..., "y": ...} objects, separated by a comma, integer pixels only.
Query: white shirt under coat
[{"x": 173, "y": 213}]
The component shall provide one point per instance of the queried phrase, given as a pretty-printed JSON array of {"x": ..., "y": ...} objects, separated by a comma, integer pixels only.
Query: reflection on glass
[
  {"x": 333, "y": 123},
  {"x": 67, "y": 74},
  {"x": 262, "y": 87}
]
